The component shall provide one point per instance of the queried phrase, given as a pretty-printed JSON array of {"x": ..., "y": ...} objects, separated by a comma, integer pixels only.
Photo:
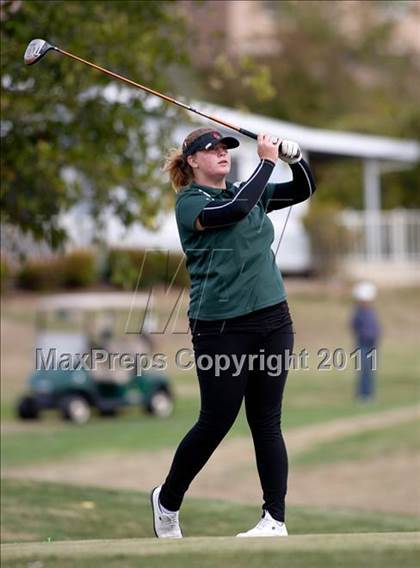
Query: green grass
[
  {"x": 135, "y": 431},
  {"x": 369, "y": 444},
  {"x": 314, "y": 551},
  {"x": 309, "y": 399},
  {"x": 42, "y": 512}
]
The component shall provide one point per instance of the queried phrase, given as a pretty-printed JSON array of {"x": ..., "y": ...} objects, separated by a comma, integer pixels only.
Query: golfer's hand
[
  {"x": 268, "y": 147},
  {"x": 290, "y": 152}
]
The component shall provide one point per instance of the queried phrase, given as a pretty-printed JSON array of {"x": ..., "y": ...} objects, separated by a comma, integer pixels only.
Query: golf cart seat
[
  {"x": 119, "y": 369},
  {"x": 52, "y": 345}
]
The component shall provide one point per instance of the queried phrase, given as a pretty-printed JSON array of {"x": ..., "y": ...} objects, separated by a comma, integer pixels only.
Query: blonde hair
[{"x": 180, "y": 172}]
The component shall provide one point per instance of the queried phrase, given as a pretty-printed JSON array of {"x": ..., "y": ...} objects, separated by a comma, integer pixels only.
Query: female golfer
[{"x": 239, "y": 318}]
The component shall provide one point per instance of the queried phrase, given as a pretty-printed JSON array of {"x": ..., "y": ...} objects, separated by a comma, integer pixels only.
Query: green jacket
[{"x": 232, "y": 269}]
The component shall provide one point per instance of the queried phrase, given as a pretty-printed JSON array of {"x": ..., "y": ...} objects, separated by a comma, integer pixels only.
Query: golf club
[{"x": 37, "y": 48}]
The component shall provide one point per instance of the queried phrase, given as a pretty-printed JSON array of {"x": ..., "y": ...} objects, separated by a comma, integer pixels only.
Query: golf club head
[{"x": 36, "y": 49}]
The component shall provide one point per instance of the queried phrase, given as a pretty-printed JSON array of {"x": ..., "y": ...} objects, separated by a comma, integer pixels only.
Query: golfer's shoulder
[{"x": 192, "y": 193}]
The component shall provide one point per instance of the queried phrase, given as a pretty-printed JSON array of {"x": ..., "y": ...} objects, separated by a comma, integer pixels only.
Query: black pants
[{"x": 261, "y": 383}]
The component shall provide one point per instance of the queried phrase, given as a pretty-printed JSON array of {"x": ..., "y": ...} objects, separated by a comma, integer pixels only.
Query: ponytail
[{"x": 179, "y": 170}]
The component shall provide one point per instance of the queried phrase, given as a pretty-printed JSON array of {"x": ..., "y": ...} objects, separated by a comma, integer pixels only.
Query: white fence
[{"x": 383, "y": 235}]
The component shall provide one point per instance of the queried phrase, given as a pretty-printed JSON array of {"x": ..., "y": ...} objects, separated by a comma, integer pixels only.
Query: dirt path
[{"x": 387, "y": 483}]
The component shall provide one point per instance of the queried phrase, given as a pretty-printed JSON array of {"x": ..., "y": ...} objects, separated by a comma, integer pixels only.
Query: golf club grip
[
  {"x": 248, "y": 133},
  {"x": 253, "y": 135}
]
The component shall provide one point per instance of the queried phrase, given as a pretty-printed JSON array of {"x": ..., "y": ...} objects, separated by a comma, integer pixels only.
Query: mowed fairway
[{"x": 331, "y": 550}]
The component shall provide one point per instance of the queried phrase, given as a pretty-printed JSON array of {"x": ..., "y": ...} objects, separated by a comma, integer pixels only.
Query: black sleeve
[
  {"x": 302, "y": 186},
  {"x": 217, "y": 214}
]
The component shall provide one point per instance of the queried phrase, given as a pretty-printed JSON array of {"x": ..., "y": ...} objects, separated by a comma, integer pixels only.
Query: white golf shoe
[
  {"x": 165, "y": 525},
  {"x": 266, "y": 526}
]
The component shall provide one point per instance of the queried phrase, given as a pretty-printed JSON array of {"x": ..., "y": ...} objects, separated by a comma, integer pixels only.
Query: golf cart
[{"x": 89, "y": 357}]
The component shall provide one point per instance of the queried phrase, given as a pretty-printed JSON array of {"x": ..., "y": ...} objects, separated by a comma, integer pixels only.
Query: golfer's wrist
[{"x": 269, "y": 161}]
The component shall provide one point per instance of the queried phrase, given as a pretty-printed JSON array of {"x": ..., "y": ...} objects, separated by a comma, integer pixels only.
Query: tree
[{"x": 69, "y": 133}]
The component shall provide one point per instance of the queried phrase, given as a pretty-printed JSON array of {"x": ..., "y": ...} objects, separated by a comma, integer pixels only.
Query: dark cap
[{"x": 208, "y": 140}]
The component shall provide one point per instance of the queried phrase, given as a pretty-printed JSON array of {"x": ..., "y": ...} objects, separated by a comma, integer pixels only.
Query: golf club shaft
[{"x": 157, "y": 94}]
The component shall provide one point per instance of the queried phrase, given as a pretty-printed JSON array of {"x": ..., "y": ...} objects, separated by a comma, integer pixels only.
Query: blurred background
[{"x": 90, "y": 250}]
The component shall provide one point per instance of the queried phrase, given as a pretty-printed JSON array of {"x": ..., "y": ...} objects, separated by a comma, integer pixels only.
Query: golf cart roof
[{"x": 94, "y": 301}]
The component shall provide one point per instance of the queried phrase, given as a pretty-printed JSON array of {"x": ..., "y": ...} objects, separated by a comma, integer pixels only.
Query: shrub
[
  {"x": 176, "y": 269},
  {"x": 79, "y": 269},
  {"x": 122, "y": 271},
  {"x": 126, "y": 267},
  {"x": 327, "y": 235},
  {"x": 73, "y": 270},
  {"x": 6, "y": 274},
  {"x": 41, "y": 274}
]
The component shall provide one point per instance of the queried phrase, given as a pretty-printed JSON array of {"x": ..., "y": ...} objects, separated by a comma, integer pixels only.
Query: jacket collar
[{"x": 216, "y": 190}]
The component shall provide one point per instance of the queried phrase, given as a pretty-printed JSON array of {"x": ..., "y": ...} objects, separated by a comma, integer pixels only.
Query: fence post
[{"x": 372, "y": 203}]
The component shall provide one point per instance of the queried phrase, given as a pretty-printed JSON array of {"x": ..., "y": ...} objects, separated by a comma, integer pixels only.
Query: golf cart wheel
[
  {"x": 27, "y": 408},
  {"x": 76, "y": 409},
  {"x": 160, "y": 404}
]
